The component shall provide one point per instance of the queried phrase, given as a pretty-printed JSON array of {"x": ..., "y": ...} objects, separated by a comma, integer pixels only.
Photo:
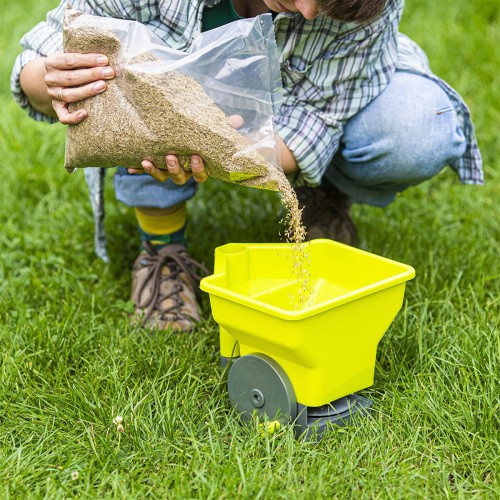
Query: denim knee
[
  {"x": 141, "y": 190},
  {"x": 403, "y": 137}
]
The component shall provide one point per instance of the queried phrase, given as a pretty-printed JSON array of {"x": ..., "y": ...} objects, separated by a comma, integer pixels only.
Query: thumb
[{"x": 236, "y": 121}]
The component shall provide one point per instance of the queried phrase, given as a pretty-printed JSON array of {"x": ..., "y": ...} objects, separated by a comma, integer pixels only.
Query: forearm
[
  {"x": 33, "y": 85},
  {"x": 287, "y": 159}
]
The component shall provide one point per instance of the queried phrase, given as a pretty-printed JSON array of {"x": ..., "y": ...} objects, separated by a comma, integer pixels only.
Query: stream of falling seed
[{"x": 295, "y": 234}]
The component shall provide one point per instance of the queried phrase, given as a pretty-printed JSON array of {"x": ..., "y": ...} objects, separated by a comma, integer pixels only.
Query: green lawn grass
[{"x": 70, "y": 361}]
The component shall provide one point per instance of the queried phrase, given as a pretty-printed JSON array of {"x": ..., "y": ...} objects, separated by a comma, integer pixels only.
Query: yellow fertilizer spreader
[{"x": 302, "y": 363}]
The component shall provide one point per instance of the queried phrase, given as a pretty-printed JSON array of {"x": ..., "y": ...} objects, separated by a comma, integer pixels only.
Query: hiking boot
[
  {"x": 325, "y": 214},
  {"x": 164, "y": 285}
]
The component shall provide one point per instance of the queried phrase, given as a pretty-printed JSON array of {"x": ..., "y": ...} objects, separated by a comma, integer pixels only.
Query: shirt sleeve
[
  {"x": 330, "y": 70},
  {"x": 311, "y": 139},
  {"x": 43, "y": 39}
]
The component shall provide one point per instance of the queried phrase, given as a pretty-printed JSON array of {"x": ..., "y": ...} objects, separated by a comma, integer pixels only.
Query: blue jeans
[{"x": 405, "y": 136}]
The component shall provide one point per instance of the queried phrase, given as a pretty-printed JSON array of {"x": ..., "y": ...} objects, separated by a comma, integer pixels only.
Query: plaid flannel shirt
[{"x": 330, "y": 71}]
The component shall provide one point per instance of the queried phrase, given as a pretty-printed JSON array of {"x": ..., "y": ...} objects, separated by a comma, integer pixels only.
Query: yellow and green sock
[{"x": 162, "y": 226}]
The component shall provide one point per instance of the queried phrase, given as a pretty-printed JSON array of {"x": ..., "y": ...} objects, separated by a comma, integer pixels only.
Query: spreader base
[
  {"x": 311, "y": 422},
  {"x": 258, "y": 385}
]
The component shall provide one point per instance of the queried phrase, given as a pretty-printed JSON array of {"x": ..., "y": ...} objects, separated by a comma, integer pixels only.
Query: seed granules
[
  {"x": 146, "y": 112},
  {"x": 295, "y": 233}
]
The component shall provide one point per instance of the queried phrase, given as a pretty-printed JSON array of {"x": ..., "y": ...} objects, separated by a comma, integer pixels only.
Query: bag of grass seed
[{"x": 165, "y": 100}]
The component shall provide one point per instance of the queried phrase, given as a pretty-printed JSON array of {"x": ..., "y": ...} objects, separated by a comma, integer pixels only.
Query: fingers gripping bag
[{"x": 164, "y": 100}]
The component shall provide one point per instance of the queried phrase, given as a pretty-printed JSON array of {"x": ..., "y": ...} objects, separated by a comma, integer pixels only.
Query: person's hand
[
  {"x": 71, "y": 77},
  {"x": 173, "y": 169}
]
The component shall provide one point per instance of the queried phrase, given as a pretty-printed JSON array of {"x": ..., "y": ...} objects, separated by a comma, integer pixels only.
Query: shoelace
[{"x": 176, "y": 258}]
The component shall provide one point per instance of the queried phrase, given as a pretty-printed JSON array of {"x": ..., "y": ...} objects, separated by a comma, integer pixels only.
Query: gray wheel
[{"x": 256, "y": 383}]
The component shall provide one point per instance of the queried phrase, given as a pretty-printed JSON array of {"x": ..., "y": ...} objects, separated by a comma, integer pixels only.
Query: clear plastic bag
[{"x": 164, "y": 100}]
